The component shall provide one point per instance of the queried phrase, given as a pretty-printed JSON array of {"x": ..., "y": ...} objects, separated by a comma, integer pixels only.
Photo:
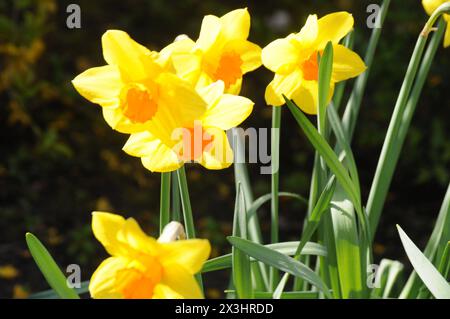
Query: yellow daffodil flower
[
  {"x": 204, "y": 142},
  {"x": 221, "y": 52},
  {"x": 294, "y": 60},
  {"x": 137, "y": 90},
  {"x": 430, "y": 6},
  {"x": 141, "y": 267}
]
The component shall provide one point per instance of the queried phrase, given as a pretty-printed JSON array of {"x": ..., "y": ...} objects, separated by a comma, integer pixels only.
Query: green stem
[
  {"x": 400, "y": 121},
  {"x": 354, "y": 103},
  {"x": 187, "y": 211},
  {"x": 164, "y": 208},
  {"x": 176, "y": 209},
  {"x": 186, "y": 204},
  {"x": 260, "y": 271},
  {"x": 275, "y": 153}
]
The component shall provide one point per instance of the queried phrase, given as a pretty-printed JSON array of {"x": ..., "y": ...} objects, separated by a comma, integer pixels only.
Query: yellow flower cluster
[{"x": 176, "y": 104}]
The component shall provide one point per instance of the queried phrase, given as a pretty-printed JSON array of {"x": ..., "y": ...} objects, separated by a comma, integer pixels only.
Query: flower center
[
  {"x": 310, "y": 68},
  {"x": 140, "y": 105},
  {"x": 229, "y": 69},
  {"x": 139, "y": 280},
  {"x": 195, "y": 141}
]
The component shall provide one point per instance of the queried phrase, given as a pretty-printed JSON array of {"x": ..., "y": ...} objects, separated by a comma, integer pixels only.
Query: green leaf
[
  {"x": 164, "y": 210},
  {"x": 354, "y": 102},
  {"x": 430, "y": 276},
  {"x": 327, "y": 153},
  {"x": 386, "y": 277},
  {"x": 344, "y": 144},
  {"x": 259, "y": 270},
  {"x": 280, "y": 261},
  {"x": 312, "y": 224},
  {"x": 49, "y": 268},
  {"x": 51, "y": 294},
  {"x": 285, "y": 248},
  {"x": 350, "y": 263},
  {"x": 285, "y": 295},
  {"x": 187, "y": 210},
  {"x": 400, "y": 122},
  {"x": 325, "y": 70},
  {"x": 242, "y": 276},
  {"x": 253, "y": 209},
  {"x": 435, "y": 246},
  {"x": 274, "y": 186}
]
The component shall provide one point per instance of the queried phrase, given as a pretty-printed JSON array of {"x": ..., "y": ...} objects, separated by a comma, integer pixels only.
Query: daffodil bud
[{"x": 172, "y": 231}]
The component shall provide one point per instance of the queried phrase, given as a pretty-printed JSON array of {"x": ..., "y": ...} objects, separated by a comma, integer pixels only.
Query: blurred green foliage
[{"x": 59, "y": 160}]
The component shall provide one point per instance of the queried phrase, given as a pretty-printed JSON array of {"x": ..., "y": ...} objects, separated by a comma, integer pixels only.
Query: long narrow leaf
[
  {"x": 430, "y": 276},
  {"x": 49, "y": 268},
  {"x": 280, "y": 261},
  {"x": 241, "y": 262},
  {"x": 285, "y": 248},
  {"x": 325, "y": 151}
]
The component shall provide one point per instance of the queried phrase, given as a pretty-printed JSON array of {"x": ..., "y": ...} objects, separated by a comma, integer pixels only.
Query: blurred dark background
[{"x": 59, "y": 161}]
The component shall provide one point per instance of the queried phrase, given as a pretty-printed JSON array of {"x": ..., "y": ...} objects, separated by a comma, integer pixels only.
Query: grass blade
[
  {"x": 259, "y": 270},
  {"x": 313, "y": 222},
  {"x": 280, "y": 261},
  {"x": 242, "y": 277},
  {"x": 430, "y": 276},
  {"x": 275, "y": 177},
  {"x": 354, "y": 103},
  {"x": 344, "y": 144},
  {"x": 187, "y": 210},
  {"x": 49, "y": 268},
  {"x": 164, "y": 208},
  {"x": 324, "y": 149},
  {"x": 399, "y": 125},
  {"x": 285, "y": 248},
  {"x": 435, "y": 246},
  {"x": 350, "y": 264}
]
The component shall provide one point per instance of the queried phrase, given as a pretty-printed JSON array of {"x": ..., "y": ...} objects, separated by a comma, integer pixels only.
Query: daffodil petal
[
  {"x": 105, "y": 227},
  {"x": 191, "y": 253},
  {"x": 447, "y": 33},
  {"x": 306, "y": 97},
  {"x": 346, "y": 64},
  {"x": 141, "y": 144},
  {"x": 162, "y": 291},
  {"x": 431, "y": 5},
  {"x": 283, "y": 84},
  {"x": 310, "y": 31},
  {"x": 235, "y": 88},
  {"x": 103, "y": 282},
  {"x": 100, "y": 85},
  {"x": 219, "y": 154},
  {"x": 155, "y": 156},
  {"x": 188, "y": 66},
  {"x": 333, "y": 27},
  {"x": 228, "y": 112},
  {"x": 182, "y": 46},
  {"x": 164, "y": 159},
  {"x": 119, "y": 49},
  {"x": 280, "y": 55},
  {"x": 119, "y": 122},
  {"x": 181, "y": 281},
  {"x": 249, "y": 53},
  {"x": 209, "y": 32},
  {"x": 181, "y": 99},
  {"x": 132, "y": 235},
  {"x": 236, "y": 24},
  {"x": 212, "y": 93}
]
